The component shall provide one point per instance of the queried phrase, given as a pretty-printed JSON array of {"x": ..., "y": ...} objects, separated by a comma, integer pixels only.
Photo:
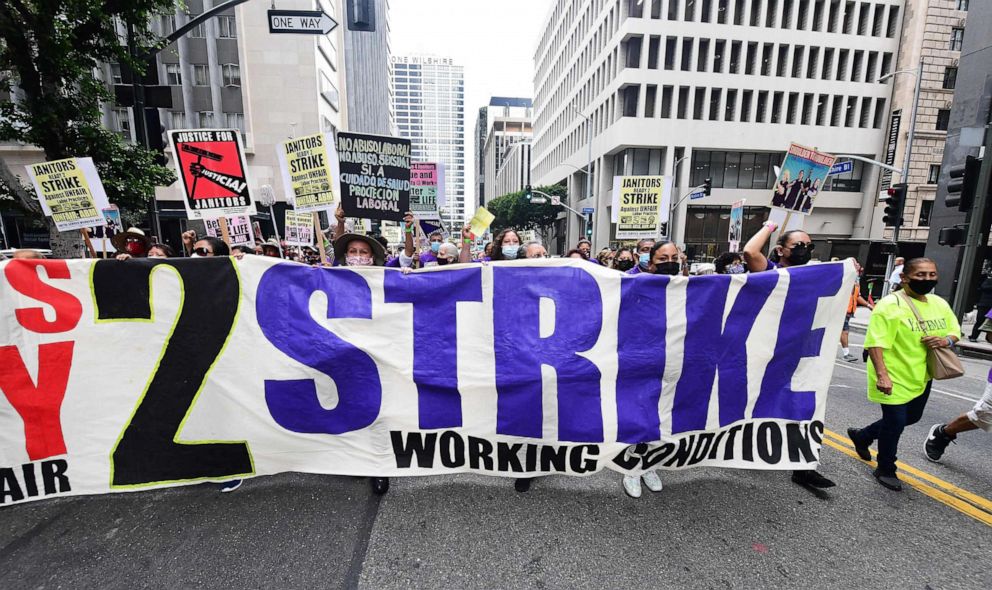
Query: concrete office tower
[
  {"x": 514, "y": 171},
  {"x": 720, "y": 87},
  {"x": 366, "y": 59},
  {"x": 509, "y": 122},
  {"x": 429, "y": 105},
  {"x": 481, "y": 132},
  {"x": 933, "y": 30}
]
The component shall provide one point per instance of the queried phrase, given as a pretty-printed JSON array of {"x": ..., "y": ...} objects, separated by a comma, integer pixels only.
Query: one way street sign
[{"x": 305, "y": 22}]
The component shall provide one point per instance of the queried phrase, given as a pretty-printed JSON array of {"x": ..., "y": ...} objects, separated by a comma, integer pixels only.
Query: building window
[
  {"x": 933, "y": 174},
  {"x": 227, "y": 27},
  {"x": 957, "y": 39},
  {"x": 232, "y": 74},
  {"x": 650, "y": 97},
  {"x": 963, "y": 5},
  {"x": 950, "y": 77},
  {"x": 735, "y": 170},
  {"x": 199, "y": 31},
  {"x": 173, "y": 75},
  {"x": 926, "y": 207},
  {"x": 943, "y": 118},
  {"x": 670, "y": 44},
  {"x": 201, "y": 75},
  {"x": 848, "y": 182},
  {"x": 205, "y": 119},
  {"x": 235, "y": 121},
  {"x": 630, "y": 100},
  {"x": 654, "y": 47},
  {"x": 177, "y": 120},
  {"x": 115, "y": 74},
  {"x": 122, "y": 122}
]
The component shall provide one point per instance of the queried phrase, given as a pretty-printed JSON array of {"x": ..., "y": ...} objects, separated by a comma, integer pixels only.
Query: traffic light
[
  {"x": 528, "y": 194},
  {"x": 895, "y": 202},
  {"x": 952, "y": 236},
  {"x": 589, "y": 227},
  {"x": 963, "y": 184},
  {"x": 707, "y": 187}
]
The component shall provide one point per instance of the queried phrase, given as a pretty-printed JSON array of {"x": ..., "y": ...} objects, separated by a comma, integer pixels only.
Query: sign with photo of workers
[
  {"x": 637, "y": 205},
  {"x": 310, "y": 171},
  {"x": 736, "y": 225},
  {"x": 801, "y": 179},
  {"x": 299, "y": 228},
  {"x": 70, "y": 192},
  {"x": 375, "y": 176},
  {"x": 239, "y": 230},
  {"x": 212, "y": 172},
  {"x": 426, "y": 188}
]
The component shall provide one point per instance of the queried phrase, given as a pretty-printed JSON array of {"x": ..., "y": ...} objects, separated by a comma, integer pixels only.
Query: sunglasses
[
  {"x": 203, "y": 251},
  {"x": 807, "y": 245}
]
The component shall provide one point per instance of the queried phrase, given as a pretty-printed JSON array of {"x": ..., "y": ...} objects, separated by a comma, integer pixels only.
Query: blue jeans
[{"x": 895, "y": 418}]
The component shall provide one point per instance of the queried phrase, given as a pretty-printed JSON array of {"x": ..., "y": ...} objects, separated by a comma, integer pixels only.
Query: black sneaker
[
  {"x": 859, "y": 446},
  {"x": 936, "y": 442},
  {"x": 888, "y": 481},
  {"x": 522, "y": 484},
  {"x": 380, "y": 485},
  {"x": 811, "y": 478}
]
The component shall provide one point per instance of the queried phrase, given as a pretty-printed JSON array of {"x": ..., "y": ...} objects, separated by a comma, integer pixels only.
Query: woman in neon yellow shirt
[{"x": 898, "y": 377}]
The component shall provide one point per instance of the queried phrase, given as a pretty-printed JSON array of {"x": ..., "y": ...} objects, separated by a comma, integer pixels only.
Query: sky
[{"x": 495, "y": 41}]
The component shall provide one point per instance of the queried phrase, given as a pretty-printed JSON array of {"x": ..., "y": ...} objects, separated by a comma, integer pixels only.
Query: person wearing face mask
[
  {"x": 447, "y": 254},
  {"x": 506, "y": 246},
  {"x": 624, "y": 260},
  {"x": 643, "y": 256},
  {"x": 793, "y": 248},
  {"x": 898, "y": 377},
  {"x": 358, "y": 250},
  {"x": 133, "y": 243},
  {"x": 729, "y": 263},
  {"x": 666, "y": 259},
  {"x": 585, "y": 248}
]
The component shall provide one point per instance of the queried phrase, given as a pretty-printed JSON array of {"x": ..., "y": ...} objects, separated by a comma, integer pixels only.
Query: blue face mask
[
  {"x": 510, "y": 252},
  {"x": 644, "y": 260},
  {"x": 435, "y": 247}
]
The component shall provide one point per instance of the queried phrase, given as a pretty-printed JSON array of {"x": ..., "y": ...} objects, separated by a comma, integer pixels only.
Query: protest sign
[
  {"x": 237, "y": 362},
  {"x": 310, "y": 171},
  {"x": 212, "y": 172},
  {"x": 638, "y": 205},
  {"x": 111, "y": 227},
  {"x": 392, "y": 233},
  {"x": 736, "y": 225},
  {"x": 800, "y": 179},
  {"x": 375, "y": 175},
  {"x": 481, "y": 221},
  {"x": 299, "y": 228},
  {"x": 425, "y": 188},
  {"x": 70, "y": 192},
  {"x": 239, "y": 230}
]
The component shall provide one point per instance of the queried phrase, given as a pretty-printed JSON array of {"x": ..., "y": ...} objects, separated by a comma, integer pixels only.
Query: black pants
[
  {"x": 983, "y": 310},
  {"x": 895, "y": 418}
]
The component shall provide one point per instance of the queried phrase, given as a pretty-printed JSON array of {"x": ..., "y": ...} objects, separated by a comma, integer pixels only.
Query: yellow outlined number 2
[{"x": 148, "y": 451}]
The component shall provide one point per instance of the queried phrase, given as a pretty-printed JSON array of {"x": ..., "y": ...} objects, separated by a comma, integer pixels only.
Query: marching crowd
[{"x": 910, "y": 333}]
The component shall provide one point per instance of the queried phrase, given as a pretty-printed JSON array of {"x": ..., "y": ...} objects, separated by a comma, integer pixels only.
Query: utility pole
[{"x": 978, "y": 231}]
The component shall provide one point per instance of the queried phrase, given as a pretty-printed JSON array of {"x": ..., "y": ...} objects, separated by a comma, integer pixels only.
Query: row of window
[
  {"x": 230, "y": 74},
  {"x": 758, "y": 106},
  {"x": 227, "y": 27},
  {"x": 755, "y": 170},
  {"x": 121, "y": 121}
]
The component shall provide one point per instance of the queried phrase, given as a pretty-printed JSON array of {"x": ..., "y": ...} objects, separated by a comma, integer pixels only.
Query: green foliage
[
  {"x": 514, "y": 210},
  {"x": 50, "y": 49}
]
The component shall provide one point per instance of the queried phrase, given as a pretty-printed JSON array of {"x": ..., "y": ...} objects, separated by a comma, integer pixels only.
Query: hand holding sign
[{"x": 481, "y": 221}]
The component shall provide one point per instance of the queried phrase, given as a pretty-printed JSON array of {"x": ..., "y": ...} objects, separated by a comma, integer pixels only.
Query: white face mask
[
  {"x": 359, "y": 260},
  {"x": 193, "y": 255}
]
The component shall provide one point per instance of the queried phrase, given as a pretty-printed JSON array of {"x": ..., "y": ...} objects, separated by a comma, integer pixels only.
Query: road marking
[
  {"x": 944, "y": 492},
  {"x": 973, "y": 400}
]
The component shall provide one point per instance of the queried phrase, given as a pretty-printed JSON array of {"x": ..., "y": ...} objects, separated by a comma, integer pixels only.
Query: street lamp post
[
  {"x": 673, "y": 205},
  {"x": 588, "y": 157},
  {"x": 906, "y": 160}
]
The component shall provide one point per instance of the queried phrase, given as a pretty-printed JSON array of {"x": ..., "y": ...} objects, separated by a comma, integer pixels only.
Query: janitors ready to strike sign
[
  {"x": 310, "y": 171},
  {"x": 375, "y": 176},
  {"x": 212, "y": 172},
  {"x": 70, "y": 192}
]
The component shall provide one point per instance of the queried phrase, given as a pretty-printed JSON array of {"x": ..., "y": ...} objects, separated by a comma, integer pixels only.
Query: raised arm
[
  {"x": 339, "y": 228},
  {"x": 408, "y": 233},
  {"x": 466, "y": 253},
  {"x": 754, "y": 255}
]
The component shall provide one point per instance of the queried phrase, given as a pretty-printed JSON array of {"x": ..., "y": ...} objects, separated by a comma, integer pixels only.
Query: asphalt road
[{"x": 708, "y": 528}]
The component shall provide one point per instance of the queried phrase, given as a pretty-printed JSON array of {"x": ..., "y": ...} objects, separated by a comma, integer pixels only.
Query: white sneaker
[
  {"x": 632, "y": 485},
  {"x": 652, "y": 481},
  {"x": 231, "y": 485}
]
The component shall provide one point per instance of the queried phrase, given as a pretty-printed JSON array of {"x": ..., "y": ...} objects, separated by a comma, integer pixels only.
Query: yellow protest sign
[
  {"x": 481, "y": 221},
  {"x": 638, "y": 202},
  {"x": 309, "y": 170},
  {"x": 70, "y": 192}
]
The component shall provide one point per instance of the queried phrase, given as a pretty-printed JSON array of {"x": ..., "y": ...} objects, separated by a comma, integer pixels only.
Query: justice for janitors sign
[{"x": 119, "y": 376}]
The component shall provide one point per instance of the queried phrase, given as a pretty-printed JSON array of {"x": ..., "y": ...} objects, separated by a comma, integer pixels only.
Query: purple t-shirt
[{"x": 636, "y": 270}]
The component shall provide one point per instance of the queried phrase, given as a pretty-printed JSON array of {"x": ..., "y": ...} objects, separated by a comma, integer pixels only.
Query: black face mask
[
  {"x": 922, "y": 287},
  {"x": 799, "y": 255},
  {"x": 442, "y": 261},
  {"x": 624, "y": 265},
  {"x": 667, "y": 268}
]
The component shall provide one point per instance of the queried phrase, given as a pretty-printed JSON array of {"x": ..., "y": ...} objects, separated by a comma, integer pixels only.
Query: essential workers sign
[{"x": 129, "y": 375}]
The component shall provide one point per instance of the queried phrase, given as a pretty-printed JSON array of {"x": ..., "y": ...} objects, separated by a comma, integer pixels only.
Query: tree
[
  {"x": 50, "y": 50},
  {"x": 515, "y": 211}
]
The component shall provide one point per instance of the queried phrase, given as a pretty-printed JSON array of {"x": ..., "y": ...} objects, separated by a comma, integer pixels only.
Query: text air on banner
[
  {"x": 638, "y": 205},
  {"x": 129, "y": 375},
  {"x": 70, "y": 192},
  {"x": 212, "y": 172},
  {"x": 239, "y": 230},
  {"x": 801, "y": 179},
  {"x": 299, "y": 228},
  {"x": 310, "y": 171},
  {"x": 425, "y": 188},
  {"x": 375, "y": 176}
]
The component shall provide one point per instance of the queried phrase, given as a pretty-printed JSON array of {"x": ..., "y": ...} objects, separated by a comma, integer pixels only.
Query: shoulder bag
[{"x": 942, "y": 362}]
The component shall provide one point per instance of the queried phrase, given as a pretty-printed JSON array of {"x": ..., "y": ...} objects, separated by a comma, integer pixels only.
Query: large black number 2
[{"x": 149, "y": 451}]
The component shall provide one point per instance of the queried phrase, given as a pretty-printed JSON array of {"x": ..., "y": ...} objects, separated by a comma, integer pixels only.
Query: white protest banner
[
  {"x": 637, "y": 205},
  {"x": 800, "y": 179},
  {"x": 164, "y": 372},
  {"x": 70, "y": 192},
  {"x": 310, "y": 172},
  {"x": 239, "y": 230},
  {"x": 299, "y": 228},
  {"x": 213, "y": 173}
]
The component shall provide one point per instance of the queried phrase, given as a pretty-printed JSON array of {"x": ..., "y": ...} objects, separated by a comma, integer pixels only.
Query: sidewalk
[{"x": 980, "y": 349}]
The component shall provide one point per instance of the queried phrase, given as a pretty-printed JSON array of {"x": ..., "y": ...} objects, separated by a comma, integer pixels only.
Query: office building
[
  {"x": 429, "y": 105},
  {"x": 514, "y": 171},
  {"x": 366, "y": 61},
  {"x": 505, "y": 121},
  {"x": 714, "y": 89}
]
